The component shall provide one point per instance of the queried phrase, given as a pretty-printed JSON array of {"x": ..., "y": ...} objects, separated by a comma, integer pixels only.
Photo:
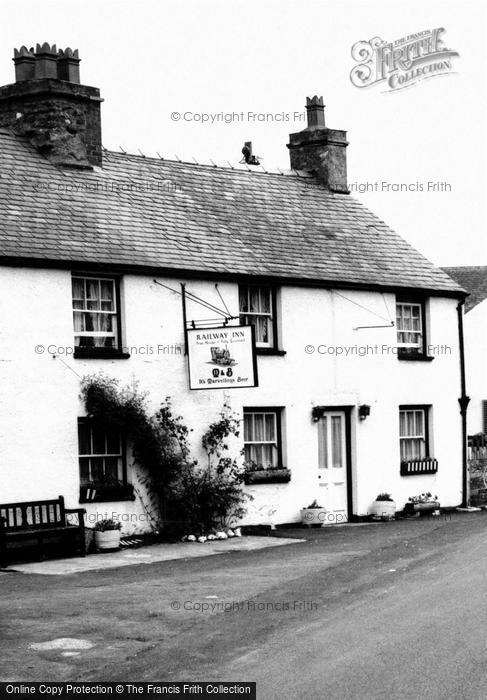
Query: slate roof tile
[
  {"x": 202, "y": 219},
  {"x": 473, "y": 279}
]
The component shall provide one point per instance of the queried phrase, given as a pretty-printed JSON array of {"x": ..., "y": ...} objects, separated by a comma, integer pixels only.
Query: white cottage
[{"x": 357, "y": 335}]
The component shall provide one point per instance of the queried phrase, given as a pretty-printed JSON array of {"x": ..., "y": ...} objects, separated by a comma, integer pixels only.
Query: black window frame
[
  {"x": 278, "y": 410},
  {"x": 426, "y": 408},
  {"x": 121, "y": 491},
  {"x": 82, "y": 352},
  {"x": 414, "y": 353},
  {"x": 273, "y": 349}
]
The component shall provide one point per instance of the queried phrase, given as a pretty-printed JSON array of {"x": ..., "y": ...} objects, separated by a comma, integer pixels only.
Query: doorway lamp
[{"x": 363, "y": 411}]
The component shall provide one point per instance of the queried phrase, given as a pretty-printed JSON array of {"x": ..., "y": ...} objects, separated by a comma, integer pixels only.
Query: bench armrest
[{"x": 80, "y": 511}]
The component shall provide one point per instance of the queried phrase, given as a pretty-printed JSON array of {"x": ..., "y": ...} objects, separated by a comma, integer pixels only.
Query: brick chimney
[
  {"x": 48, "y": 105},
  {"x": 320, "y": 150}
]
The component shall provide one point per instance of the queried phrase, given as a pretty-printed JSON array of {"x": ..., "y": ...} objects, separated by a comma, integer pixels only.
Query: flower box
[
  {"x": 106, "y": 493},
  {"x": 268, "y": 476},
  {"x": 421, "y": 508}
]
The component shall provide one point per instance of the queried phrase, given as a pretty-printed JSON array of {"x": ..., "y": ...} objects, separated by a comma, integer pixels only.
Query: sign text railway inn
[{"x": 285, "y": 261}]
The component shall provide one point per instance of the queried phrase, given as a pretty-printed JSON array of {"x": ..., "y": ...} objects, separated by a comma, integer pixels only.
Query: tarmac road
[{"x": 393, "y": 610}]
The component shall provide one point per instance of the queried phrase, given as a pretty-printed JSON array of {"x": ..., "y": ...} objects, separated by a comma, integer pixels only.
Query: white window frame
[
  {"x": 247, "y": 316},
  {"x": 114, "y": 312}
]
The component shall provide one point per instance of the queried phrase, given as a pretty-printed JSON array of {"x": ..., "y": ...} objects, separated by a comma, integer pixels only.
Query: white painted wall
[
  {"x": 475, "y": 328},
  {"x": 40, "y": 393}
]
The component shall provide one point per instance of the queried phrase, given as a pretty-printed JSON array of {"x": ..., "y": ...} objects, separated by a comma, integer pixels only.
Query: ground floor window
[
  {"x": 101, "y": 454},
  {"x": 413, "y": 432},
  {"x": 262, "y": 438}
]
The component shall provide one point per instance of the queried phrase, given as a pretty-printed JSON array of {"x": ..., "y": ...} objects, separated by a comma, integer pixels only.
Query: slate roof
[
  {"x": 473, "y": 279},
  {"x": 212, "y": 220}
]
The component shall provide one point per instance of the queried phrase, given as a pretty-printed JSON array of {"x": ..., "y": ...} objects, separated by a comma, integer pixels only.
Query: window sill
[
  {"x": 270, "y": 351},
  {"x": 414, "y": 357},
  {"x": 100, "y": 354},
  {"x": 107, "y": 494}
]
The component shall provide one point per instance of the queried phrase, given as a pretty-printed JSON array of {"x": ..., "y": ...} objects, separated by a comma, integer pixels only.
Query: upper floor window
[
  {"x": 258, "y": 308},
  {"x": 410, "y": 324},
  {"x": 95, "y": 313}
]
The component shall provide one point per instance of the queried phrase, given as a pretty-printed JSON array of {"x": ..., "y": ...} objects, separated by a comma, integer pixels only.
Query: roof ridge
[{"x": 225, "y": 168}]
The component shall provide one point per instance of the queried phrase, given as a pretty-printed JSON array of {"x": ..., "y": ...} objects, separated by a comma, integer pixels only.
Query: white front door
[{"x": 332, "y": 466}]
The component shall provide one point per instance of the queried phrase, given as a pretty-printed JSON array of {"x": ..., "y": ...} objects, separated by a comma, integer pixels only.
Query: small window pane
[
  {"x": 84, "y": 440},
  {"x": 84, "y": 470},
  {"x": 97, "y": 468},
  {"x": 99, "y": 441},
  {"x": 248, "y": 432},
  {"x": 254, "y": 300},
  {"x": 337, "y": 457},
  {"x": 113, "y": 442},
  {"x": 111, "y": 469},
  {"x": 270, "y": 425}
]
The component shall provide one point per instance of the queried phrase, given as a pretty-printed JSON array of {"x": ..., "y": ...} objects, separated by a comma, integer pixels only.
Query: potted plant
[
  {"x": 314, "y": 514},
  {"x": 107, "y": 535},
  {"x": 383, "y": 508},
  {"x": 424, "y": 503}
]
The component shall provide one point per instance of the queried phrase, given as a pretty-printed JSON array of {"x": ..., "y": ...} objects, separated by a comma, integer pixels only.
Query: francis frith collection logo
[{"x": 401, "y": 63}]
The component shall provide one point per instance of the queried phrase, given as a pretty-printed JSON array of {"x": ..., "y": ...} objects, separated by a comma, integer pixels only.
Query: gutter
[{"x": 464, "y": 400}]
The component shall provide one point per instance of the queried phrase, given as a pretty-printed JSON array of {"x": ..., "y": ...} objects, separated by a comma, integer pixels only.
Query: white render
[
  {"x": 475, "y": 325},
  {"x": 40, "y": 390}
]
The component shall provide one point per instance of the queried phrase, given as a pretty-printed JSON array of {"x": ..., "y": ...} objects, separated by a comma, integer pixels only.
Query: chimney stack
[
  {"x": 319, "y": 150},
  {"x": 48, "y": 105}
]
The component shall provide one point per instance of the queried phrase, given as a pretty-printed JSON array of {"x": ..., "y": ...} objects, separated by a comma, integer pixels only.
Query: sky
[{"x": 152, "y": 59}]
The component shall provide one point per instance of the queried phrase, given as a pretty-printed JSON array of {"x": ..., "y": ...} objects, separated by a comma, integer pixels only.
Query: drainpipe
[{"x": 464, "y": 400}]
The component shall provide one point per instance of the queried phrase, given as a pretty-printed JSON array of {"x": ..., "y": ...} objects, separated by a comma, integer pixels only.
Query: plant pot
[
  {"x": 383, "y": 510},
  {"x": 106, "y": 541},
  {"x": 422, "y": 508},
  {"x": 313, "y": 516}
]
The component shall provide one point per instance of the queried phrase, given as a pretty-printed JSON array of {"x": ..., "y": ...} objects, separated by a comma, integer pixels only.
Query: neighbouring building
[
  {"x": 356, "y": 333},
  {"x": 474, "y": 280}
]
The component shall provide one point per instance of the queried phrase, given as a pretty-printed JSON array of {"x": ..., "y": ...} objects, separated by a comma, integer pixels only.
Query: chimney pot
[
  {"x": 316, "y": 112},
  {"x": 24, "y": 61},
  {"x": 68, "y": 65},
  {"x": 46, "y": 61}
]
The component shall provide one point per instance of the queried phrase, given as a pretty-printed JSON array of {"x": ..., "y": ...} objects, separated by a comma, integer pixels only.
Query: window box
[
  {"x": 412, "y": 467},
  {"x": 268, "y": 476},
  {"x": 81, "y": 352},
  {"x": 413, "y": 356},
  {"x": 96, "y": 493}
]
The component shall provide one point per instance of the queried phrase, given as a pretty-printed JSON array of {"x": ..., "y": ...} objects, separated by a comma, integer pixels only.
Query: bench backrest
[{"x": 32, "y": 515}]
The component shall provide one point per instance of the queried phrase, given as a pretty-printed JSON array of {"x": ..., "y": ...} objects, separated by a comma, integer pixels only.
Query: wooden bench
[{"x": 39, "y": 522}]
